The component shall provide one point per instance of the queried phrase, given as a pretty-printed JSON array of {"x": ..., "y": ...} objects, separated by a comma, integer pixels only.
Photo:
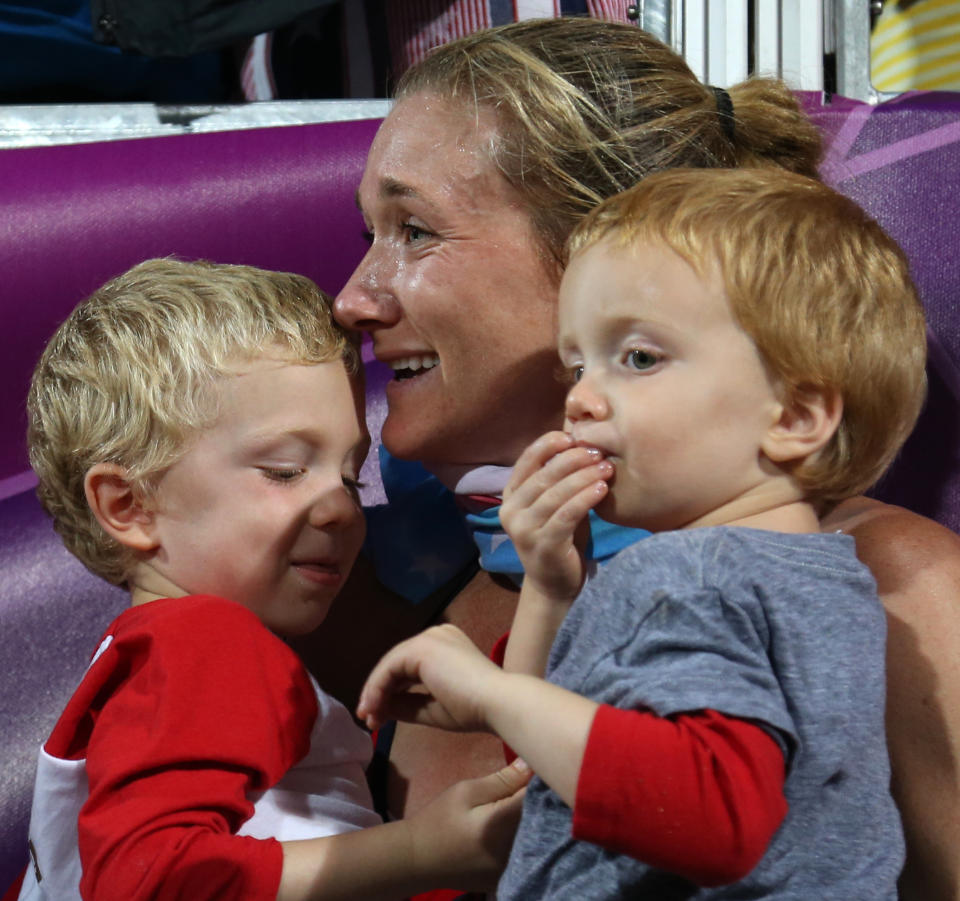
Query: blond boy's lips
[{"x": 322, "y": 573}]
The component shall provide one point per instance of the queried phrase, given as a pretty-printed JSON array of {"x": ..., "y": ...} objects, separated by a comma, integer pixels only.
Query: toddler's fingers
[
  {"x": 568, "y": 515},
  {"x": 549, "y": 483},
  {"x": 535, "y": 456},
  {"x": 395, "y": 672},
  {"x": 562, "y": 503},
  {"x": 504, "y": 783}
]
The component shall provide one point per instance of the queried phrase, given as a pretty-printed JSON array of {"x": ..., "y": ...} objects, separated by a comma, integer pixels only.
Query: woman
[{"x": 497, "y": 145}]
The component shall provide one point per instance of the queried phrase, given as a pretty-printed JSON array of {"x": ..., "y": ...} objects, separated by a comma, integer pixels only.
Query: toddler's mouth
[{"x": 413, "y": 366}]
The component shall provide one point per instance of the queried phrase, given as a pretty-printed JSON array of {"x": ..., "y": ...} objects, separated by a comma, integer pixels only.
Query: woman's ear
[
  {"x": 118, "y": 507},
  {"x": 807, "y": 421}
]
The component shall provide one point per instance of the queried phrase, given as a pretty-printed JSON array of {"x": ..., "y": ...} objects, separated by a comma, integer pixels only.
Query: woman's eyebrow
[{"x": 389, "y": 187}]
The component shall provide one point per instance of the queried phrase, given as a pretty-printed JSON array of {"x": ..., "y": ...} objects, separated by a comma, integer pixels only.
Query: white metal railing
[{"x": 723, "y": 41}]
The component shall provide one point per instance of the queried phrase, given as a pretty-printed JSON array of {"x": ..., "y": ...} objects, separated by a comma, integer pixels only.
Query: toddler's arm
[
  {"x": 554, "y": 486},
  {"x": 702, "y": 802},
  {"x": 460, "y": 839},
  {"x": 440, "y": 678}
]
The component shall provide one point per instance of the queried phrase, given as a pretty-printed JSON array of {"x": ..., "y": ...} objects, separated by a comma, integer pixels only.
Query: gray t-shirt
[{"x": 782, "y": 629}]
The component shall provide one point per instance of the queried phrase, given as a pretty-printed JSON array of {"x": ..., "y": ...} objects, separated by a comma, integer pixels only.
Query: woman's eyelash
[{"x": 410, "y": 227}]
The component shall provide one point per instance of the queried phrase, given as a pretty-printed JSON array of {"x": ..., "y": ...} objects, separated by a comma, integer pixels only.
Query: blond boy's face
[
  {"x": 262, "y": 509},
  {"x": 670, "y": 387}
]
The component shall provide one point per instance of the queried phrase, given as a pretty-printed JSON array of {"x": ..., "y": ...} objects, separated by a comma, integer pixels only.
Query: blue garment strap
[
  {"x": 421, "y": 539},
  {"x": 417, "y": 541},
  {"x": 498, "y": 555}
]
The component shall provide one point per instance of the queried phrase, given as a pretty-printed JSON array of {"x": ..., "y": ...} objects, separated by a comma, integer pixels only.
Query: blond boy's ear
[
  {"x": 118, "y": 507},
  {"x": 806, "y": 423}
]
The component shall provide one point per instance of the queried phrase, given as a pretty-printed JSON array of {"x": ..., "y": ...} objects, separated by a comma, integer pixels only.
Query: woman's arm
[{"x": 916, "y": 563}]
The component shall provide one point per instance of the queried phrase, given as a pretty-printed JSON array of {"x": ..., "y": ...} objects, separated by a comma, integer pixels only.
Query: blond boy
[
  {"x": 745, "y": 350},
  {"x": 198, "y": 432}
]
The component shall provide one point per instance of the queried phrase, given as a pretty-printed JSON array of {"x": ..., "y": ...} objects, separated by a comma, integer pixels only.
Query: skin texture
[
  {"x": 439, "y": 213},
  {"x": 676, "y": 396},
  {"x": 916, "y": 561},
  {"x": 262, "y": 507}
]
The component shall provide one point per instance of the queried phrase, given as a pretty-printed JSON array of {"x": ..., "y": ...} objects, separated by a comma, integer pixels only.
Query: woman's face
[{"x": 455, "y": 291}]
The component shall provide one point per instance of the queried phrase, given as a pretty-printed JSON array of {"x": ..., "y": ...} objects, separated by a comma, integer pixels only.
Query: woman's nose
[
  {"x": 367, "y": 302},
  {"x": 585, "y": 401}
]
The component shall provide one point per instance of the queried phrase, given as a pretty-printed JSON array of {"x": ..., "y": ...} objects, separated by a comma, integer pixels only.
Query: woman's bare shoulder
[
  {"x": 915, "y": 560},
  {"x": 916, "y": 563}
]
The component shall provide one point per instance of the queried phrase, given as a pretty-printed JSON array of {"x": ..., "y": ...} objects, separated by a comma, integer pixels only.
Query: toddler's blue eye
[
  {"x": 641, "y": 359},
  {"x": 576, "y": 373}
]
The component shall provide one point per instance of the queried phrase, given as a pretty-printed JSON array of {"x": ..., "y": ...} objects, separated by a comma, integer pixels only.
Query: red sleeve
[
  {"x": 13, "y": 892},
  {"x": 191, "y": 707},
  {"x": 698, "y": 794}
]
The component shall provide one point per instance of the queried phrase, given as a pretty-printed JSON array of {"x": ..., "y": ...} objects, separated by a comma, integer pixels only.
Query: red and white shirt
[{"x": 195, "y": 743}]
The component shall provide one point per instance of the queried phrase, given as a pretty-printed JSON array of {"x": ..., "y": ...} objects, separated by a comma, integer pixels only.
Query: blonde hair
[
  {"x": 126, "y": 378},
  {"x": 822, "y": 290},
  {"x": 587, "y": 108}
]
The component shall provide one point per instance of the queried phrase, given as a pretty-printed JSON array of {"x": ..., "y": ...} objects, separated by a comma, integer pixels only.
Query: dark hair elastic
[{"x": 725, "y": 111}]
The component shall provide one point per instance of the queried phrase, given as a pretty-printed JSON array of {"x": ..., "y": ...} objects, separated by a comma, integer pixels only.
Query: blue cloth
[
  {"x": 417, "y": 541},
  {"x": 498, "y": 555},
  {"x": 421, "y": 539}
]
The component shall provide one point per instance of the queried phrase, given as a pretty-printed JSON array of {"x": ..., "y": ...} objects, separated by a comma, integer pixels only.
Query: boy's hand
[
  {"x": 467, "y": 831},
  {"x": 545, "y": 504},
  {"x": 437, "y": 678}
]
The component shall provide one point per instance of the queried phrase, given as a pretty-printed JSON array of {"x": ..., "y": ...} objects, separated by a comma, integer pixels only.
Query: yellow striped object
[{"x": 917, "y": 48}]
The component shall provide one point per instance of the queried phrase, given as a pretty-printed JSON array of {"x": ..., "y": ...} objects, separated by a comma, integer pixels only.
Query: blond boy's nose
[{"x": 335, "y": 508}]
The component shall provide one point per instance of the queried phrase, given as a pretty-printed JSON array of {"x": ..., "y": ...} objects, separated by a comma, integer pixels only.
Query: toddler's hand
[
  {"x": 545, "y": 504},
  {"x": 467, "y": 830},
  {"x": 437, "y": 678}
]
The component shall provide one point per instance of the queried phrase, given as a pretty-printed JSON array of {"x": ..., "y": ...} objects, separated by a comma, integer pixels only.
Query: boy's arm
[
  {"x": 461, "y": 839},
  {"x": 545, "y": 505},
  {"x": 165, "y": 804}
]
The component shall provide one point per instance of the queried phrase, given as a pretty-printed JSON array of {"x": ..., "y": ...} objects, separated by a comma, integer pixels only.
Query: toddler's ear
[
  {"x": 806, "y": 423},
  {"x": 118, "y": 507}
]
